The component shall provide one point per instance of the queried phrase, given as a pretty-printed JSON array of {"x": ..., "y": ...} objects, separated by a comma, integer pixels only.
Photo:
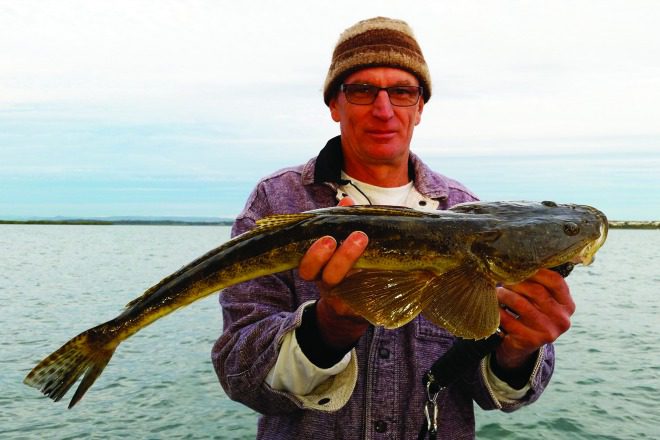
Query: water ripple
[{"x": 161, "y": 384}]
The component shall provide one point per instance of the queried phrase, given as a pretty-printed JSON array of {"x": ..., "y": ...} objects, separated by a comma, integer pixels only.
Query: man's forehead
[{"x": 376, "y": 75}]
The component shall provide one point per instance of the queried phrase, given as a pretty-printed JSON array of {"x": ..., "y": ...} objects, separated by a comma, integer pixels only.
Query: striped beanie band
[{"x": 376, "y": 42}]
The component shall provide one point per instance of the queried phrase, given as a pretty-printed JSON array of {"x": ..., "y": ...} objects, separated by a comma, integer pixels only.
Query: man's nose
[{"x": 382, "y": 107}]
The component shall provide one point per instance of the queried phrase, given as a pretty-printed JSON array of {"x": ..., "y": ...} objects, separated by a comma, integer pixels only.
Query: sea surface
[{"x": 56, "y": 281}]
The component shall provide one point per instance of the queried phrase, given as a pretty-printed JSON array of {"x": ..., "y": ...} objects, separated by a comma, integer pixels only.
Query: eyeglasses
[{"x": 365, "y": 94}]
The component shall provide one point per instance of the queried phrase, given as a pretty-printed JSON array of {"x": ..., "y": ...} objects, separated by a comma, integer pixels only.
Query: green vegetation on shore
[{"x": 632, "y": 224}]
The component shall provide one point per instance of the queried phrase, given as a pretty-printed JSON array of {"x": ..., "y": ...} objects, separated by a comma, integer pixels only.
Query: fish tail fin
[{"x": 82, "y": 355}]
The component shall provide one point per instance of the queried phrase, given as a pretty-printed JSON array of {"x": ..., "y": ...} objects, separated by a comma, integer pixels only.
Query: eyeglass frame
[{"x": 419, "y": 89}]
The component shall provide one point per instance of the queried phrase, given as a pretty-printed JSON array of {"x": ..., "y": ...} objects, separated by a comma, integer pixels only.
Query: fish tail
[{"x": 84, "y": 355}]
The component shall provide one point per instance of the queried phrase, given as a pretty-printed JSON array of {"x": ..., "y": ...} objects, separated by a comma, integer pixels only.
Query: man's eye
[
  {"x": 401, "y": 91},
  {"x": 365, "y": 89}
]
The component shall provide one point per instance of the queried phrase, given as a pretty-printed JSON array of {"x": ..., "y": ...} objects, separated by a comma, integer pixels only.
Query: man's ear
[
  {"x": 420, "y": 108},
  {"x": 334, "y": 111}
]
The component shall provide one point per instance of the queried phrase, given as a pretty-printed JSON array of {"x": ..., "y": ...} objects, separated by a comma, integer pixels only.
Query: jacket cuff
[
  {"x": 516, "y": 379},
  {"x": 312, "y": 344},
  {"x": 506, "y": 397}
]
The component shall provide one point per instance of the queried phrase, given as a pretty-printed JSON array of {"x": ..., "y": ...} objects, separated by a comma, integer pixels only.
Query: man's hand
[
  {"x": 543, "y": 306},
  {"x": 328, "y": 264}
]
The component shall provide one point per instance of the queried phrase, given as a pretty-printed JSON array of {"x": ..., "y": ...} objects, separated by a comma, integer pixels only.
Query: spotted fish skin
[{"x": 444, "y": 265}]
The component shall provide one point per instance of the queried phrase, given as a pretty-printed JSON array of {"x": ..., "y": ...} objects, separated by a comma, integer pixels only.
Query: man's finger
[
  {"x": 346, "y": 201},
  {"x": 344, "y": 258},
  {"x": 546, "y": 288},
  {"x": 316, "y": 257},
  {"x": 556, "y": 285}
]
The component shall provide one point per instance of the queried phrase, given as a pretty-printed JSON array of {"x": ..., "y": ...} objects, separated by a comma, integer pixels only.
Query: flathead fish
[{"x": 444, "y": 265}]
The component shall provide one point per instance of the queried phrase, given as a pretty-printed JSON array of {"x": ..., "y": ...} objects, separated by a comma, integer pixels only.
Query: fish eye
[{"x": 571, "y": 228}]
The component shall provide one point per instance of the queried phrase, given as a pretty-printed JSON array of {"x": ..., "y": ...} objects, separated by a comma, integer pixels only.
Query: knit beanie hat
[{"x": 376, "y": 42}]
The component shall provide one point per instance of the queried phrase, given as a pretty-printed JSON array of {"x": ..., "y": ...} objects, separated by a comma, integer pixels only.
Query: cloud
[
  {"x": 499, "y": 68},
  {"x": 219, "y": 89}
]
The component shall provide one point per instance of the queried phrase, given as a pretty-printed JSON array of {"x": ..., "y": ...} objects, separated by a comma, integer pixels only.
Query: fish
[{"x": 445, "y": 265}]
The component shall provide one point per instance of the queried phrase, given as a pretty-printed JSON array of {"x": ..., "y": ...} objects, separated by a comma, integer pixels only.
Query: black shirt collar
[{"x": 331, "y": 159}]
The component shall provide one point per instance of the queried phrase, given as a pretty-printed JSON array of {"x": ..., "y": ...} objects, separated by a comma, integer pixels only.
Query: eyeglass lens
[{"x": 364, "y": 94}]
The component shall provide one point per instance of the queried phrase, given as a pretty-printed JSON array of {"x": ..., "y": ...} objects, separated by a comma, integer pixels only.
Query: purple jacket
[{"x": 388, "y": 398}]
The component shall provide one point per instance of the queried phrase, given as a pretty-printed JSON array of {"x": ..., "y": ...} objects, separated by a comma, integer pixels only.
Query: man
[{"x": 299, "y": 356}]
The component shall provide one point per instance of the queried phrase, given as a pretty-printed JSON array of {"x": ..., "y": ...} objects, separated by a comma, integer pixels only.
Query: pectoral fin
[
  {"x": 464, "y": 302},
  {"x": 386, "y": 298},
  {"x": 461, "y": 300}
]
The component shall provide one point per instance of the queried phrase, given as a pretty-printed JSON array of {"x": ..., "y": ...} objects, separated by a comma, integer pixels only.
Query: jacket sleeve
[
  {"x": 257, "y": 315},
  {"x": 486, "y": 398}
]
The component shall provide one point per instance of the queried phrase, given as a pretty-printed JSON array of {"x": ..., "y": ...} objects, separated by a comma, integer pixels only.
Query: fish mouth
[{"x": 587, "y": 254}]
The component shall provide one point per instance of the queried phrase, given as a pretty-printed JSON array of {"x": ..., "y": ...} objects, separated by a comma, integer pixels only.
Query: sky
[{"x": 177, "y": 108}]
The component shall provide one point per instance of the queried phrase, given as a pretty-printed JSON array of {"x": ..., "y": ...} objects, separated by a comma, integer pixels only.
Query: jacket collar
[
  {"x": 326, "y": 169},
  {"x": 329, "y": 162}
]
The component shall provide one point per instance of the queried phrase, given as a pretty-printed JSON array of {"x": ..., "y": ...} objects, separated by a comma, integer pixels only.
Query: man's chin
[{"x": 385, "y": 151}]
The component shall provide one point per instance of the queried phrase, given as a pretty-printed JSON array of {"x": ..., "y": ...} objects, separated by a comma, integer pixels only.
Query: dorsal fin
[
  {"x": 377, "y": 210},
  {"x": 281, "y": 220},
  {"x": 263, "y": 225},
  {"x": 277, "y": 221}
]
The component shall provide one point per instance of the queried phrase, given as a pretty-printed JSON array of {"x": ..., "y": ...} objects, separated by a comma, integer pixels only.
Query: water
[
  {"x": 607, "y": 378},
  {"x": 58, "y": 280}
]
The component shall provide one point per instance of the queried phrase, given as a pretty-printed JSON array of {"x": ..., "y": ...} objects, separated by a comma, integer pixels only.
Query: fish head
[{"x": 522, "y": 237}]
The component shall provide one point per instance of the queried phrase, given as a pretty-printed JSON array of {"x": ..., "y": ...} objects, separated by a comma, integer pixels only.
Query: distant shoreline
[
  {"x": 615, "y": 224},
  {"x": 632, "y": 224}
]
